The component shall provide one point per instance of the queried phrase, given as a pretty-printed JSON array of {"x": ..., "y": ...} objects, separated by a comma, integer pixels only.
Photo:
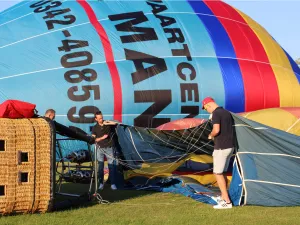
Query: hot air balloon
[
  {"x": 147, "y": 64},
  {"x": 143, "y": 64}
]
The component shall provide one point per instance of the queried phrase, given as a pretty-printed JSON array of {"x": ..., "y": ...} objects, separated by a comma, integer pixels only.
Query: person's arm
[
  {"x": 101, "y": 138},
  {"x": 94, "y": 135},
  {"x": 216, "y": 120},
  {"x": 109, "y": 122},
  {"x": 215, "y": 131},
  {"x": 93, "y": 132}
]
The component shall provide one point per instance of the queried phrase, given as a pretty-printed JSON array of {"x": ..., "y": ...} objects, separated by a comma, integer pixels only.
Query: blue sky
[
  {"x": 6, "y": 4},
  {"x": 279, "y": 17}
]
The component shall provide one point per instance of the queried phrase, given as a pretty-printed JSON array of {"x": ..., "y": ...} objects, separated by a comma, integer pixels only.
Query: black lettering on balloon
[
  {"x": 155, "y": 1},
  {"x": 191, "y": 110},
  {"x": 160, "y": 98},
  {"x": 40, "y": 3},
  {"x": 86, "y": 89},
  {"x": 54, "y": 13},
  {"x": 142, "y": 73},
  {"x": 182, "y": 52},
  {"x": 68, "y": 45},
  {"x": 176, "y": 35},
  {"x": 69, "y": 20},
  {"x": 76, "y": 76},
  {"x": 85, "y": 58},
  {"x": 44, "y": 9},
  {"x": 190, "y": 88},
  {"x": 142, "y": 33},
  {"x": 157, "y": 8},
  {"x": 165, "y": 20},
  {"x": 83, "y": 112},
  {"x": 189, "y": 67}
]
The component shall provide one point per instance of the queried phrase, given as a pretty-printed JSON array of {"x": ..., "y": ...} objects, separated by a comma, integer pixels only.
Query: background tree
[{"x": 298, "y": 61}]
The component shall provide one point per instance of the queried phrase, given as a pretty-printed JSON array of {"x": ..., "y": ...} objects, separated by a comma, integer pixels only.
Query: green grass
[{"x": 141, "y": 207}]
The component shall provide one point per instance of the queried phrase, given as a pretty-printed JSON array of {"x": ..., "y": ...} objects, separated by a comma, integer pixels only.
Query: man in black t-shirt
[
  {"x": 104, "y": 146},
  {"x": 223, "y": 135}
]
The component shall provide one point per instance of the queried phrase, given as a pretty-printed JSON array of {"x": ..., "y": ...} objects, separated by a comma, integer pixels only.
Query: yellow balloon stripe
[
  {"x": 289, "y": 87},
  {"x": 276, "y": 118}
]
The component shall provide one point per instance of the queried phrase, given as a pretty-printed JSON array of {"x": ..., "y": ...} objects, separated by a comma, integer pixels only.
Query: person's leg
[
  {"x": 223, "y": 187},
  {"x": 111, "y": 168},
  {"x": 100, "y": 159},
  {"x": 220, "y": 158},
  {"x": 228, "y": 158}
]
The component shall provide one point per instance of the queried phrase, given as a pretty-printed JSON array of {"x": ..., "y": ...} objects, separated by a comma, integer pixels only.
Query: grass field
[{"x": 141, "y": 207}]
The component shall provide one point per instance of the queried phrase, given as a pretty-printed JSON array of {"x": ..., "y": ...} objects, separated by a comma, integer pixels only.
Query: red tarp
[
  {"x": 15, "y": 109},
  {"x": 181, "y": 124}
]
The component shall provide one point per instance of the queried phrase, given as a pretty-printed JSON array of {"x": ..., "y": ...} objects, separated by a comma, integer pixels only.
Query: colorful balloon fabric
[
  {"x": 143, "y": 63},
  {"x": 286, "y": 119},
  {"x": 181, "y": 124}
]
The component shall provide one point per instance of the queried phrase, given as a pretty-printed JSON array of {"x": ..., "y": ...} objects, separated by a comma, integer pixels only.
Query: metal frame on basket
[{"x": 94, "y": 167}]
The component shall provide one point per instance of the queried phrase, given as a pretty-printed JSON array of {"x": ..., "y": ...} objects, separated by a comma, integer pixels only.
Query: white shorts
[{"x": 221, "y": 159}]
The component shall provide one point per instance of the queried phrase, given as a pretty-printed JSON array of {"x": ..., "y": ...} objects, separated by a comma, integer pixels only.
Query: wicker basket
[{"x": 26, "y": 164}]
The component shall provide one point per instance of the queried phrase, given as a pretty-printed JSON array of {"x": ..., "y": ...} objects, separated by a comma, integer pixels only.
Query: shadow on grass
[{"x": 85, "y": 199}]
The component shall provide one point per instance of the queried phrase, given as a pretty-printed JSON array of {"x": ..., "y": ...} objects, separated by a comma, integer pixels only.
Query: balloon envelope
[{"x": 143, "y": 63}]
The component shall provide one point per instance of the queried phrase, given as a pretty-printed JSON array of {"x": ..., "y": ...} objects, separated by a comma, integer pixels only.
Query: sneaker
[
  {"x": 217, "y": 199},
  {"x": 113, "y": 187},
  {"x": 223, "y": 205},
  {"x": 101, "y": 186}
]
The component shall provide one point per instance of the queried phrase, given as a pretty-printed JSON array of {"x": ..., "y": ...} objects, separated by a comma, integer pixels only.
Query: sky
[{"x": 279, "y": 17}]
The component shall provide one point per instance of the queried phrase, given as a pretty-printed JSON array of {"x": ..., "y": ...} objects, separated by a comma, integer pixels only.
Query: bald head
[{"x": 50, "y": 113}]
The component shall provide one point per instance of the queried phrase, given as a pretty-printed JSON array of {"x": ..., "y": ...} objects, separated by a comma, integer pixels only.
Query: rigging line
[
  {"x": 134, "y": 146},
  {"x": 201, "y": 135},
  {"x": 294, "y": 124},
  {"x": 198, "y": 137},
  {"x": 197, "y": 148},
  {"x": 158, "y": 159},
  {"x": 167, "y": 166}
]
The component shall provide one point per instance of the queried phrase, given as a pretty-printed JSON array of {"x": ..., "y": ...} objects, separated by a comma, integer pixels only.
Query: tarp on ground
[
  {"x": 269, "y": 165},
  {"x": 266, "y": 171}
]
